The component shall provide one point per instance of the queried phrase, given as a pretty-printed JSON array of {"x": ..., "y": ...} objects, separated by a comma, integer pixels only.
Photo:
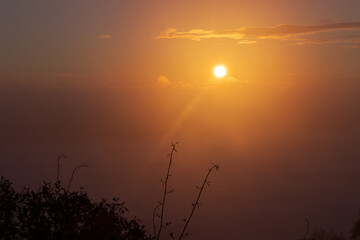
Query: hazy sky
[{"x": 113, "y": 83}]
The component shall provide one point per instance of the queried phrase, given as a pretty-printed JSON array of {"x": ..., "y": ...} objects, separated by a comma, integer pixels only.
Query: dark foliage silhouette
[
  {"x": 52, "y": 212},
  {"x": 321, "y": 234},
  {"x": 355, "y": 231},
  {"x": 326, "y": 235}
]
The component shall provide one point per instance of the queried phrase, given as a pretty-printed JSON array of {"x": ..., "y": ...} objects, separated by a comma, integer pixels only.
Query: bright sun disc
[{"x": 220, "y": 71}]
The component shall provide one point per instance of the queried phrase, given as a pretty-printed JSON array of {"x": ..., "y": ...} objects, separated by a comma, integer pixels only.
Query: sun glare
[{"x": 220, "y": 71}]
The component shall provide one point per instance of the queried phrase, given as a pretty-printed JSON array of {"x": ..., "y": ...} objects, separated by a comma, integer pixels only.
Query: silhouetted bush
[
  {"x": 326, "y": 235},
  {"x": 52, "y": 212},
  {"x": 355, "y": 231}
]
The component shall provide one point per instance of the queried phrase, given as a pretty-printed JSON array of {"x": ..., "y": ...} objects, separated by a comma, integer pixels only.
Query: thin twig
[
  {"x": 194, "y": 205},
  {"x": 307, "y": 228},
  {"x": 73, "y": 173},
  {"x": 153, "y": 220},
  {"x": 58, "y": 166},
  {"x": 165, "y": 190}
]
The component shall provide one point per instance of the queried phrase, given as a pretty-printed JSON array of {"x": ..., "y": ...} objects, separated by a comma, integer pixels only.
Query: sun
[{"x": 220, "y": 71}]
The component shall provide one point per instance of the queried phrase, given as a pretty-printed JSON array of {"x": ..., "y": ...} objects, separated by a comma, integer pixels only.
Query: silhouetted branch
[
  {"x": 153, "y": 220},
  {"x": 162, "y": 204},
  {"x": 58, "y": 166},
  {"x": 73, "y": 173},
  {"x": 307, "y": 228},
  {"x": 194, "y": 205}
]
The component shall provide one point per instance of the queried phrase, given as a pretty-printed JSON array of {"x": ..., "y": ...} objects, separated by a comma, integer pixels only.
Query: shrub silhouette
[
  {"x": 355, "y": 231},
  {"x": 326, "y": 235},
  {"x": 55, "y": 212},
  {"x": 52, "y": 212}
]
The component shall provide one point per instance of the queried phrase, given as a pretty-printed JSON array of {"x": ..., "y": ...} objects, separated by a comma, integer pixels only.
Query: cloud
[
  {"x": 105, "y": 36},
  {"x": 356, "y": 45},
  {"x": 232, "y": 80},
  {"x": 353, "y": 39},
  {"x": 247, "y": 41},
  {"x": 163, "y": 81},
  {"x": 249, "y": 35}
]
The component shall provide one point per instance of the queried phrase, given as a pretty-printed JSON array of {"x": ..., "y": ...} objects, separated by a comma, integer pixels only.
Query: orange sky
[
  {"x": 112, "y": 84},
  {"x": 118, "y": 40}
]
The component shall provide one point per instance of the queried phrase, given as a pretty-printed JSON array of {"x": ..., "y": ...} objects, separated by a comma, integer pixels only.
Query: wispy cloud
[
  {"x": 163, "y": 81},
  {"x": 105, "y": 36},
  {"x": 355, "y": 45},
  {"x": 248, "y": 35},
  {"x": 353, "y": 39}
]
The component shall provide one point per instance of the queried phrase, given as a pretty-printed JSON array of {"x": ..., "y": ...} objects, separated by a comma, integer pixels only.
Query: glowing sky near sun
[{"x": 123, "y": 43}]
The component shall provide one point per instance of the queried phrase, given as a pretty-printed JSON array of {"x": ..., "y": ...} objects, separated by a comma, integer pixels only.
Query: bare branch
[
  {"x": 58, "y": 166},
  {"x": 153, "y": 220},
  {"x": 173, "y": 150},
  {"x": 307, "y": 228},
  {"x": 196, "y": 204},
  {"x": 73, "y": 173}
]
